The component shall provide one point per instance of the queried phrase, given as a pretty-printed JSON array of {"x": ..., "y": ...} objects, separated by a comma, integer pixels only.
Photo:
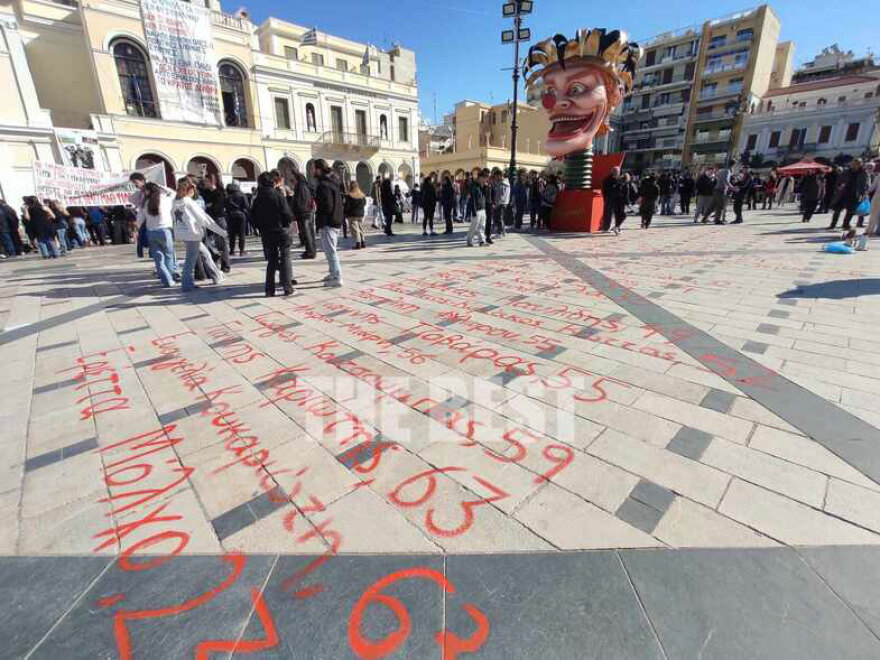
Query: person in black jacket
[
  {"x": 328, "y": 219},
  {"x": 649, "y": 191},
  {"x": 429, "y": 204},
  {"x": 810, "y": 189},
  {"x": 447, "y": 202},
  {"x": 236, "y": 217},
  {"x": 355, "y": 206},
  {"x": 303, "y": 209},
  {"x": 686, "y": 192},
  {"x": 386, "y": 195},
  {"x": 615, "y": 195},
  {"x": 852, "y": 189},
  {"x": 272, "y": 217}
]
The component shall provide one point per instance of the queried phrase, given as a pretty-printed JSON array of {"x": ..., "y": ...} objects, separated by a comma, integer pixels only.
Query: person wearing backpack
[
  {"x": 329, "y": 218},
  {"x": 271, "y": 215}
]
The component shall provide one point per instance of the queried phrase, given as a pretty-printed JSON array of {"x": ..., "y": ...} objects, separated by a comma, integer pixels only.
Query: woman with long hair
[
  {"x": 157, "y": 217},
  {"x": 355, "y": 205},
  {"x": 62, "y": 221},
  {"x": 40, "y": 226},
  {"x": 78, "y": 224},
  {"x": 190, "y": 223}
]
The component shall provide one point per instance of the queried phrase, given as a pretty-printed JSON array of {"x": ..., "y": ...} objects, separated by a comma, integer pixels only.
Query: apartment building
[
  {"x": 739, "y": 61},
  {"x": 830, "y": 119},
  {"x": 285, "y": 95},
  {"x": 693, "y": 83},
  {"x": 654, "y": 117}
]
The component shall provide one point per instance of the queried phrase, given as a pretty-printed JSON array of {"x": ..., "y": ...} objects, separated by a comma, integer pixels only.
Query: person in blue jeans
[
  {"x": 61, "y": 226},
  {"x": 157, "y": 206},
  {"x": 190, "y": 223},
  {"x": 41, "y": 223}
]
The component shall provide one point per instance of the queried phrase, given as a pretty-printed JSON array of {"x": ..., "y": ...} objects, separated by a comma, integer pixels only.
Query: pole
[{"x": 513, "y": 124}]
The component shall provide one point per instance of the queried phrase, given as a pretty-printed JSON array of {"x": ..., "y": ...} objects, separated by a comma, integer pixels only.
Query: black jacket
[
  {"x": 478, "y": 196},
  {"x": 615, "y": 190},
  {"x": 302, "y": 197},
  {"x": 649, "y": 191},
  {"x": 355, "y": 206},
  {"x": 387, "y": 194},
  {"x": 705, "y": 185},
  {"x": 8, "y": 220},
  {"x": 270, "y": 212},
  {"x": 429, "y": 197},
  {"x": 810, "y": 187},
  {"x": 236, "y": 204},
  {"x": 328, "y": 197},
  {"x": 215, "y": 202},
  {"x": 447, "y": 194}
]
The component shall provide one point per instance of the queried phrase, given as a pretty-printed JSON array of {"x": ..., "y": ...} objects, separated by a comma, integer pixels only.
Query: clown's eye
[
  {"x": 577, "y": 89},
  {"x": 548, "y": 99}
]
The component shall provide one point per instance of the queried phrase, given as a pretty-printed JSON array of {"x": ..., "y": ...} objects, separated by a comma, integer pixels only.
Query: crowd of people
[{"x": 211, "y": 221}]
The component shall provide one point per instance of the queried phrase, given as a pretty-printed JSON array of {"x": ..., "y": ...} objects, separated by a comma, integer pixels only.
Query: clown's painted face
[{"x": 576, "y": 101}]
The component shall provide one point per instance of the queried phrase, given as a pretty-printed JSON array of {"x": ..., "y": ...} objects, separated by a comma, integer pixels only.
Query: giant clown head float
[{"x": 580, "y": 82}]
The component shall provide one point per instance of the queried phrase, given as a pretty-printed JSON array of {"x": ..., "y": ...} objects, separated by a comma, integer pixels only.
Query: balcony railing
[
  {"x": 353, "y": 140},
  {"x": 708, "y": 95},
  {"x": 717, "y": 115},
  {"x": 223, "y": 19},
  {"x": 722, "y": 68},
  {"x": 815, "y": 107},
  {"x": 706, "y": 138}
]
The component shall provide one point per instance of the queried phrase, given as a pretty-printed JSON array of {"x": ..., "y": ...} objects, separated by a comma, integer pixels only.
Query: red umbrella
[{"x": 802, "y": 168}]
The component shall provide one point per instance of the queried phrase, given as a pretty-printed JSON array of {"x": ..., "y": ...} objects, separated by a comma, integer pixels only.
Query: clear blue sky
[{"x": 458, "y": 42}]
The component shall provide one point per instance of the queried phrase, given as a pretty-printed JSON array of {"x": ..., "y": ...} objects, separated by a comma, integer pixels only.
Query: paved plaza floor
[{"x": 663, "y": 444}]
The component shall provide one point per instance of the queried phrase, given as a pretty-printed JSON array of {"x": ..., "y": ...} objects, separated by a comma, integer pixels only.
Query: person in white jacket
[
  {"x": 190, "y": 223},
  {"x": 155, "y": 213}
]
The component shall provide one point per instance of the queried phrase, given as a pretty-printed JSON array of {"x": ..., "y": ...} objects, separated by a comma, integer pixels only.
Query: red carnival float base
[{"x": 578, "y": 210}]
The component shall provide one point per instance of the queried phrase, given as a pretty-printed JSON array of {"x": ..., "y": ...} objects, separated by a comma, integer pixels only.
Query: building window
[
  {"x": 650, "y": 58},
  {"x": 752, "y": 142},
  {"x": 504, "y": 116},
  {"x": 291, "y": 53},
  {"x": 341, "y": 65},
  {"x": 774, "y": 139},
  {"x": 822, "y": 102},
  {"x": 282, "y": 113},
  {"x": 667, "y": 76},
  {"x": 841, "y": 99},
  {"x": 134, "y": 79},
  {"x": 365, "y": 69},
  {"x": 646, "y": 101},
  {"x": 232, "y": 94},
  {"x": 797, "y": 137},
  {"x": 869, "y": 95},
  {"x": 311, "y": 123},
  {"x": 825, "y": 135},
  {"x": 852, "y": 132},
  {"x": 403, "y": 129},
  {"x": 317, "y": 59},
  {"x": 745, "y": 35},
  {"x": 689, "y": 70},
  {"x": 383, "y": 127},
  {"x": 717, "y": 42}
]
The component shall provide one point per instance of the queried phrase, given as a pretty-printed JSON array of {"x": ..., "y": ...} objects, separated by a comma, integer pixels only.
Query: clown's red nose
[{"x": 548, "y": 101}]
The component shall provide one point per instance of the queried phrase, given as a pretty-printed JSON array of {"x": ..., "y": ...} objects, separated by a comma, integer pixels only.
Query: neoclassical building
[{"x": 286, "y": 95}]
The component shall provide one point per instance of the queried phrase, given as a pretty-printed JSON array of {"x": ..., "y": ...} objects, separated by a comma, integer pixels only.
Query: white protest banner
[
  {"x": 77, "y": 186},
  {"x": 180, "y": 42},
  {"x": 79, "y": 148}
]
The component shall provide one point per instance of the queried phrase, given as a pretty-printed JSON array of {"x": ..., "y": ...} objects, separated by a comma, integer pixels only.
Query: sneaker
[
  {"x": 616, "y": 231},
  {"x": 334, "y": 284},
  {"x": 424, "y": 233},
  {"x": 330, "y": 278}
]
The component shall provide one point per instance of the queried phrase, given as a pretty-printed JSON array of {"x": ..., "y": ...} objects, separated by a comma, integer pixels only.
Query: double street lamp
[{"x": 515, "y": 10}]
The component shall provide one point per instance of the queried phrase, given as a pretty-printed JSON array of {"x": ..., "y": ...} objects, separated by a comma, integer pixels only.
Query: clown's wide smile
[{"x": 568, "y": 126}]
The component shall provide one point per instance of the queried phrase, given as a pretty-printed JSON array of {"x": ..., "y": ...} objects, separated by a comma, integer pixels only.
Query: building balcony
[
  {"x": 657, "y": 85},
  {"x": 836, "y": 108},
  {"x": 350, "y": 146},
  {"x": 717, "y": 115},
  {"x": 715, "y": 94},
  {"x": 728, "y": 67},
  {"x": 669, "y": 109},
  {"x": 710, "y": 138},
  {"x": 222, "y": 19}
]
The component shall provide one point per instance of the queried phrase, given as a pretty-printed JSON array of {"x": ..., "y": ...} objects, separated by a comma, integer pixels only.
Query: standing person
[
  {"x": 649, "y": 191},
  {"x": 705, "y": 186},
  {"x": 608, "y": 191},
  {"x": 874, "y": 220},
  {"x": 665, "y": 185},
  {"x": 465, "y": 198},
  {"x": 429, "y": 204},
  {"x": 211, "y": 191},
  {"x": 415, "y": 200},
  {"x": 686, "y": 192},
  {"x": 869, "y": 173},
  {"x": 548, "y": 201},
  {"x": 478, "y": 193},
  {"x": 752, "y": 197},
  {"x": 41, "y": 225},
  {"x": 447, "y": 202},
  {"x": 157, "y": 217},
  {"x": 304, "y": 212},
  {"x": 272, "y": 217},
  {"x": 97, "y": 226},
  {"x": 386, "y": 194},
  {"x": 743, "y": 190},
  {"x": 719, "y": 196},
  {"x": 328, "y": 219},
  {"x": 8, "y": 225},
  {"x": 62, "y": 222},
  {"x": 534, "y": 199},
  {"x": 355, "y": 207},
  {"x": 770, "y": 186},
  {"x": 501, "y": 202},
  {"x": 190, "y": 223},
  {"x": 831, "y": 180},
  {"x": 809, "y": 195},
  {"x": 376, "y": 195},
  {"x": 398, "y": 204},
  {"x": 520, "y": 199},
  {"x": 852, "y": 188},
  {"x": 237, "y": 211}
]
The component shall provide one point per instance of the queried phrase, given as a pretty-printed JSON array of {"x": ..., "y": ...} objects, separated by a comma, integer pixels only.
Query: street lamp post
[
  {"x": 516, "y": 10},
  {"x": 734, "y": 109}
]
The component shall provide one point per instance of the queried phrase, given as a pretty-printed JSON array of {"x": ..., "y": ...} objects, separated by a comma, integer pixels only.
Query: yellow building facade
[
  {"x": 288, "y": 95},
  {"x": 481, "y": 138}
]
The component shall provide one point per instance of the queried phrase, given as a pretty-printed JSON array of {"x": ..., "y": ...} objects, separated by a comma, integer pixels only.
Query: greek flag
[{"x": 310, "y": 37}]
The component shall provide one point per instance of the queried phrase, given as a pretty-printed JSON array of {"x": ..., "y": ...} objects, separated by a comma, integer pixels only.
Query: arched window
[
  {"x": 232, "y": 94},
  {"x": 383, "y": 127},
  {"x": 134, "y": 79},
  {"x": 821, "y": 101},
  {"x": 311, "y": 124}
]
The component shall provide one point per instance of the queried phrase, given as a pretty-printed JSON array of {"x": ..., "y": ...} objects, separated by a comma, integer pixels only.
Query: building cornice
[{"x": 317, "y": 83}]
